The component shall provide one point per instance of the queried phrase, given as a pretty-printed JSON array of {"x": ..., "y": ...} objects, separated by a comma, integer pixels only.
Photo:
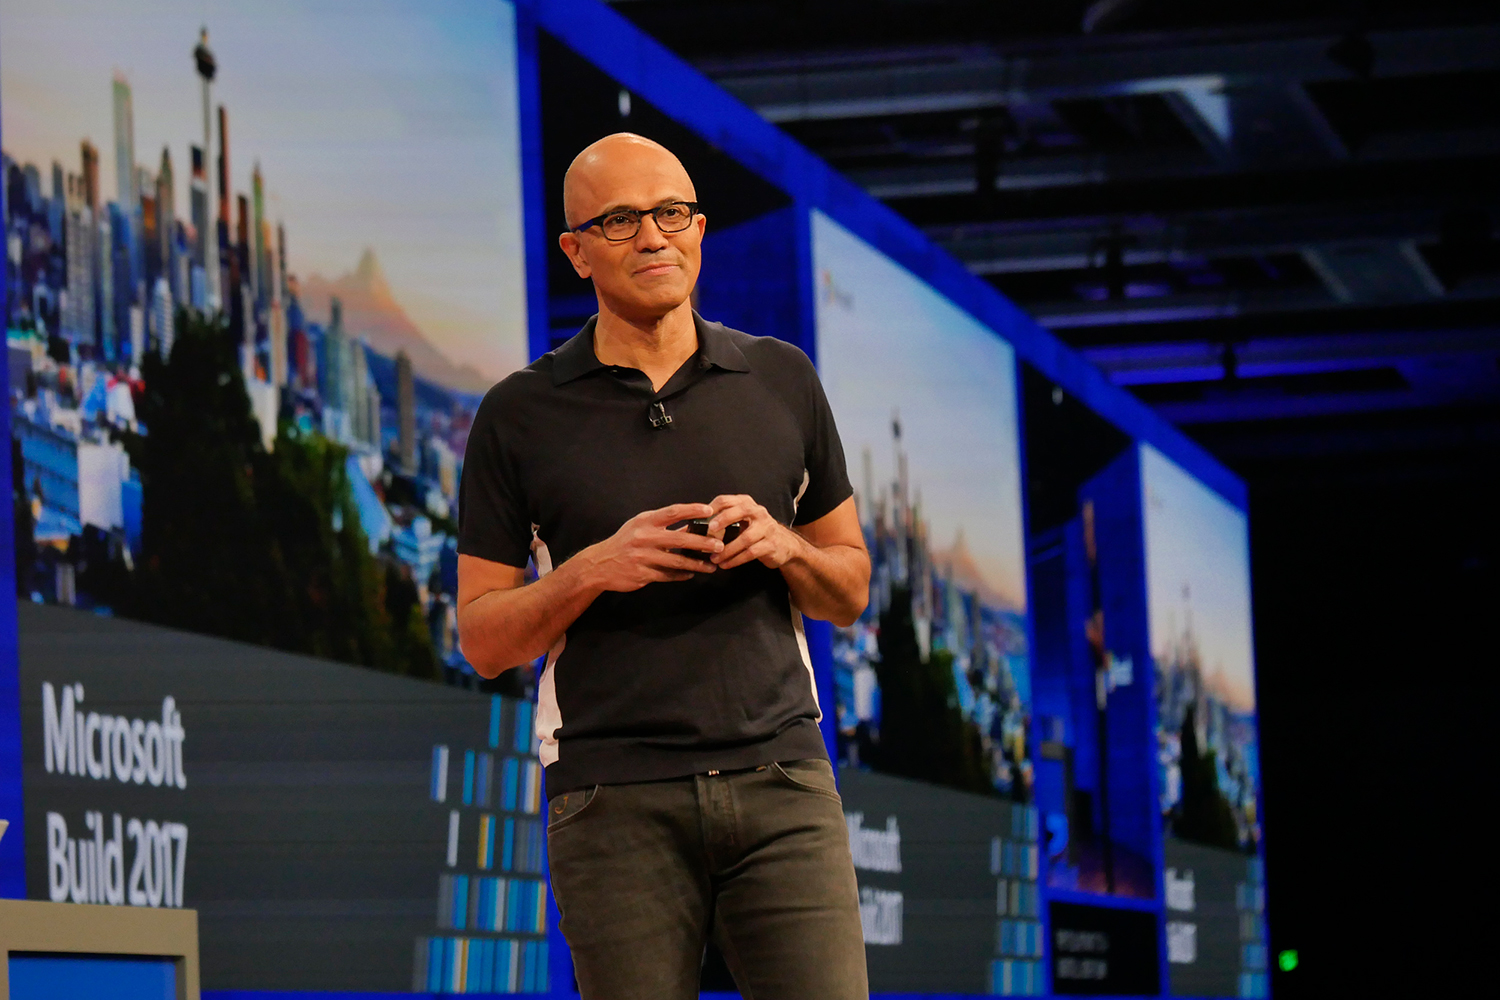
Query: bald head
[
  {"x": 652, "y": 273},
  {"x": 619, "y": 170}
]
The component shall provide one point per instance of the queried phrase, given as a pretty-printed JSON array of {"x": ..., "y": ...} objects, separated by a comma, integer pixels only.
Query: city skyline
[
  {"x": 889, "y": 345},
  {"x": 439, "y": 147},
  {"x": 1198, "y": 559}
]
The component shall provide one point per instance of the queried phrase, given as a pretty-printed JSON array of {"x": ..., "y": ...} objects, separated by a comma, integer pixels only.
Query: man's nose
[{"x": 650, "y": 236}]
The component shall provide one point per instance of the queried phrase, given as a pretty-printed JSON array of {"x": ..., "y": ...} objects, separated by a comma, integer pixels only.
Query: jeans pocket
[
  {"x": 812, "y": 775},
  {"x": 566, "y": 808}
]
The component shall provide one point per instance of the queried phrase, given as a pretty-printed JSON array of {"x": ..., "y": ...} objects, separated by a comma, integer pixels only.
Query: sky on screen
[
  {"x": 1198, "y": 542},
  {"x": 886, "y": 342},
  {"x": 390, "y": 124}
]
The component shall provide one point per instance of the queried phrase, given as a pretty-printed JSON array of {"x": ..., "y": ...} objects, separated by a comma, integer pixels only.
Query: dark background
[{"x": 1316, "y": 301}]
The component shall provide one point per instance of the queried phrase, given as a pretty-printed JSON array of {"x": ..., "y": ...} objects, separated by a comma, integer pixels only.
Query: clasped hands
[{"x": 642, "y": 551}]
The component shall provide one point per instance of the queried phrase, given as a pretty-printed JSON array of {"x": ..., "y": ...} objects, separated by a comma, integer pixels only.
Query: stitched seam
[
  {"x": 736, "y": 967},
  {"x": 566, "y": 820},
  {"x": 804, "y": 786}
]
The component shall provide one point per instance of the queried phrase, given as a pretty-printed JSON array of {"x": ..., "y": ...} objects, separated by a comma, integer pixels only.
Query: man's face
[{"x": 650, "y": 275}]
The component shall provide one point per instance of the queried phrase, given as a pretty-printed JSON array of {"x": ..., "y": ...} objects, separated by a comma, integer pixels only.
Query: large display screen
[
  {"x": 933, "y": 682},
  {"x": 1198, "y": 590},
  {"x": 264, "y": 260}
]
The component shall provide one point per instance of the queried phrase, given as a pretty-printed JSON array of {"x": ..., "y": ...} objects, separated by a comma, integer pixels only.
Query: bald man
[{"x": 681, "y": 488}]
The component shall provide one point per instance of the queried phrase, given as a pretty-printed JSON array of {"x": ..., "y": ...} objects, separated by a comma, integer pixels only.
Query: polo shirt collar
[{"x": 576, "y": 358}]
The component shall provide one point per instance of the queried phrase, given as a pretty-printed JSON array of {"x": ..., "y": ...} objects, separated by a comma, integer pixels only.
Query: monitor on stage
[
  {"x": 264, "y": 263},
  {"x": 933, "y": 683}
]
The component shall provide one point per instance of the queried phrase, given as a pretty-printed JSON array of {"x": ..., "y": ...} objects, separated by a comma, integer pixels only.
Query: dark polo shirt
[{"x": 675, "y": 678}]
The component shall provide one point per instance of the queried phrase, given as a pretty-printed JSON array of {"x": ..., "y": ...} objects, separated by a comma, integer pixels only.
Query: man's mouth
[{"x": 656, "y": 269}]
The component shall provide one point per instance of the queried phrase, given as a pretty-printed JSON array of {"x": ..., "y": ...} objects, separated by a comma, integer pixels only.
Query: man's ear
[{"x": 572, "y": 246}]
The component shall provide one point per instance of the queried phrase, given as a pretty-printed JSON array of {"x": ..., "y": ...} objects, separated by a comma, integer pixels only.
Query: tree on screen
[
  {"x": 1203, "y": 815},
  {"x": 923, "y": 734},
  {"x": 256, "y": 545}
]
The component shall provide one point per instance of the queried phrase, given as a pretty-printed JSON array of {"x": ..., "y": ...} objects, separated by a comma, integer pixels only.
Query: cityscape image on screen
[
  {"x": 933, "y": 681},
  {"x": 264, "y": 261},
  {"x": 1198, "y": 594}
]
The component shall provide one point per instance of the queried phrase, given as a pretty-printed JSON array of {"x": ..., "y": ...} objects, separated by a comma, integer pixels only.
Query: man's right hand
[{"x": 641, "y": 551}]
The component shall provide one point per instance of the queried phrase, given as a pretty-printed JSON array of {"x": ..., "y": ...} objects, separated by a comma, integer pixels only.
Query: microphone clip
[{"x": 659, "y": 416}]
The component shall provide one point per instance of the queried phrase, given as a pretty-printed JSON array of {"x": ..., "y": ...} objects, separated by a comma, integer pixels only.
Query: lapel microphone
[{"x": 659, "y": 416}]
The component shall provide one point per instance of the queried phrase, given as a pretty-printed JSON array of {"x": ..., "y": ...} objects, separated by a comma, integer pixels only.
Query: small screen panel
[
  {"x": 1101, "y": 951},
  {"x": 90, "y": 977},
  {"x": 1198, "y": 589},
  {"x": 933, "y": 682}
]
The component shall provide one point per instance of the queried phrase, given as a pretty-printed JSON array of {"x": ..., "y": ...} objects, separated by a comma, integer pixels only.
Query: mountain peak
[
  {"x": 368, "y": 273},
  {"x": 371, "y": 311}
]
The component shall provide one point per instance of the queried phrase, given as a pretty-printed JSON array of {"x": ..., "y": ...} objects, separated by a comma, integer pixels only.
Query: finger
[
  {"x": 757, "y": 551},
  {"x": 725, "y": 500},
  {"x": 665, "y": 576},
  {"x": 749, "y": 536},
  {"x": 679, "y": 512},
  {"x": 673, "y": 561},
  {"x": 735, "y": 547},
  {"x": 682, "y": 539},
  {"x": 733, "y": 515}
]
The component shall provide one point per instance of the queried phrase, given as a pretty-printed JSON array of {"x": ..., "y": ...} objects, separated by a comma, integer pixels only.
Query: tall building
[
  {"x": 162, "y": 323},
  {"x": 99, "y": 319},
  {"x": 166, "y": 222},
  {"x": 58, "y": 206},
  {"x": 228, "y": 292},
  {"x": 300, "y": 349},
  {"x": 204, "y": 250},
  {"x": 257, "y": 248},
  {"x": 208, "y": 257},
  {"x": 78, "y": 303},
  {"x": 275, "y": 316},
  {"x": 372, "y": 415},
  {"x": 122, "y": 277},
  {"x": 247, "y": 339},
  {"x": 33, "y": 179},
  {"x": 281, "y": 286},
  {"x": 149, "y": 243},
  {"x": 104, "y": 284},
  {"x": 281, "y": 338},
  {"x": 90, "y": 157},
  {"x": 125, "y": 191},
  {"x": 331, "y": 371},
  {"x": 406, "y": 413},
  {"x": 357, "y": 391},
  {"x": 244, "y": 315}
]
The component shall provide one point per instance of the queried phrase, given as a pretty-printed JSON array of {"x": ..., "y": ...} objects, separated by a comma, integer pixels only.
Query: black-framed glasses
[{"x": 622, "y": 224}]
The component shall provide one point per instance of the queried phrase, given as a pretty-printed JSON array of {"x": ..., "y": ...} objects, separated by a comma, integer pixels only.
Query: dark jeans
[{"x": 642, "y": 872}]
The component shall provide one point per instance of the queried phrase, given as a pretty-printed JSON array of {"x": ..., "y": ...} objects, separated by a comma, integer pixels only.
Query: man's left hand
[{"x": 761, "y": 535}]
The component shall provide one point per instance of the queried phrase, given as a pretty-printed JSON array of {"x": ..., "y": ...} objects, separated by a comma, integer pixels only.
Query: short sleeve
[
  {"x": 827, "y": 474},
  {"x": 492, "y": 519}
]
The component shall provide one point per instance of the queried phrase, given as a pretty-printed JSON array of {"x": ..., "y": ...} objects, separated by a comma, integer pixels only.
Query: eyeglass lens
[{"x": 673, "y": 218}]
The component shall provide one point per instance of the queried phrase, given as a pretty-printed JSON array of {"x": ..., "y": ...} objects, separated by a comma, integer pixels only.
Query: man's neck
[{"x": 657, "y": 346}]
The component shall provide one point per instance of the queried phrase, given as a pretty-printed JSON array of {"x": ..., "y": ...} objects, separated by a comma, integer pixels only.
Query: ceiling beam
[
  {"x": 1070, "y": 244},
  {"x": 1299, "y": 148},
  {"x": 1200, "y": 361},
  {"x": 896, "y": 81}
]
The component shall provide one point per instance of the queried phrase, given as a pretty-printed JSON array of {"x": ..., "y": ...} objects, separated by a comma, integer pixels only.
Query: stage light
[{"x": 1287, "y": 960}]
